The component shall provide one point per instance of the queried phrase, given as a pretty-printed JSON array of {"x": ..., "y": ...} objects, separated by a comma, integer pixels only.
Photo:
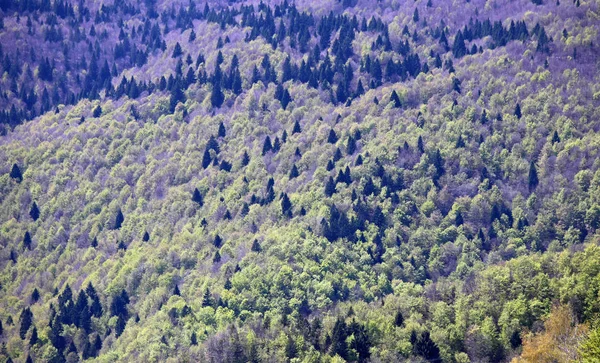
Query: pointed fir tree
[
  {"x": 332, "y": 138},
  {"x": 206, "y": 298},
  {"x": 297, "y": 129},
  {"x": 518, "y": 111},
  {"x": 177, "y": 51},
  {"x": 35, "y": 296},
  {"x": 286, "y": 205},
  {"x": 206, "y": 159},
  {"x": 27, "y": 240},
  {"x": 34, "y": 213},
  {"x": 222, "y": 131},
  {"x": 267, "y": 146},
  {"x": 34, "y": 337},
  {"x": 533, "y": 177},
  {"x": 216, "y": 96},
  {"x": 395, "y": 99},
  {"x": 146, "y": 237},
  {"x": 26, "y": 320},
  {"x": 255, "y": 246},
  {"x": 119, "y": 219},
  {"x": 330, "y": 187},
  {"x": 197, "y": 197},
  {"x": 15, "y": 173},
  {"x": 294, "y": 172}
]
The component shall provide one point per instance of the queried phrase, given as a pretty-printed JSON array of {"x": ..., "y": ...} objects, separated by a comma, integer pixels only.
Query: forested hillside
[{"x": 309, "y": 181}]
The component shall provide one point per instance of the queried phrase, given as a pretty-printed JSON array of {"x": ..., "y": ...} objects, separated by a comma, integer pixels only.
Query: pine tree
[
  {"x": 332, "y": 138},
  {"x": 206, "y": 299},
  {"x": 35, "y": 296},
  {"x": 294, "y": 172},
  {"x": 458, "y": 48},
  {"x": 267, "y": 146},
  {"x": 193, "y": 339},
  {"x": 177, "y": 52},
  {"x": 338, "y": 339},
  {"x": 26, "y": 320},
  {"x": 518, "y": 111},
  {"x": 330, "y": 187},
  {"x": 296, "y": 129},
  {"x": 146, "y": 237},
  {"x": 218, "y": 241},
  {"x": 533, "y": 177},
  {"x": 216, "y": 96},
  {"x": 119, "y": 219},
  {"x": 286, "y": 205},
  {"x": 206, "y": 159},
  {"x": 97, "y": 112},
  {"x": 399, "y": 319},
  {"x": 420, "y": 145},
  {"x": 197, "y": 197},
  {"x": 34, "y": 337},
  {"x": 15, "y": 173},
  {"x": 221, "y": 132},
  {"x": 27, "y": 240},
  {"x": 176, "y": 291},
  {"x": 458, "y": 219},
  {"x": 255, "y": 246},
  {"x": 416, "y": 16},
  {"x": 245, "y": 158},
  {"x": 395, "y": 99},
  {"x": 34, "y": 213},
  {"x": 94, "y": 243},
  {"x": 555, "y": 137},
  {"x": 425, "y": 347}
]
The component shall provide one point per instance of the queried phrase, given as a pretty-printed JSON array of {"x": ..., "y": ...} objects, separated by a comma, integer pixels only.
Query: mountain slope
[{"x": 268, "y": 211}]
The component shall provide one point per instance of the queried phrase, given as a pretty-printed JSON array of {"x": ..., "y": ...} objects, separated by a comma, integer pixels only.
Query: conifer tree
[
  {"x": 267, "y": 146},
  {"x": 332, "y": 138},
  {"x": 34, "y": 213},
  {"x": 294, "y": 172},
  {"x": 15, "y": 173},
  {"x": 218, "y": 241},
  {"x": 35, "y": 295},
  {"x": 533, "y": 176},
  {"x": 119, "y": 219},
  {"x": 27, "y": 240},
  {"x": 518, "y": 111},
  {"x": 330, "y": 187},
  {"x": 26, "y": 320},
  {"x": 286, "y": 205},
  {"x": 34, "y": 337},
  {"x": 216, "y": 96},
  {"x": 206, "y": 298},
  {"x": 206, "y": 158},
  {"x": 255, "y": 246},
  {"x": 221, "y": 132},
  {"x": 197, "y": 197},
  {"x": 297, "y": 129},
  {"x": 395, "y": 99},
  {"x": 177, "y": 51}
]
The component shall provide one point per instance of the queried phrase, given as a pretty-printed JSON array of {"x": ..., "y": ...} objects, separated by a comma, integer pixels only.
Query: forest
[{"x": 300, "y": 181}]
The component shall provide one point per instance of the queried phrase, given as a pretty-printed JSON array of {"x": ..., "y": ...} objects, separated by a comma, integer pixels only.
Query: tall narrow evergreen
[
  {"x": 119, "y": 219},
  {"x": 27, "y": 240},
  {"x": 533, "y": 176},
  {"x": 34, "y": 213},
  {"x": 197, "y": 197},
  {"x": 15, "y": 173},
  {"x": 332, "y": 138}
]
